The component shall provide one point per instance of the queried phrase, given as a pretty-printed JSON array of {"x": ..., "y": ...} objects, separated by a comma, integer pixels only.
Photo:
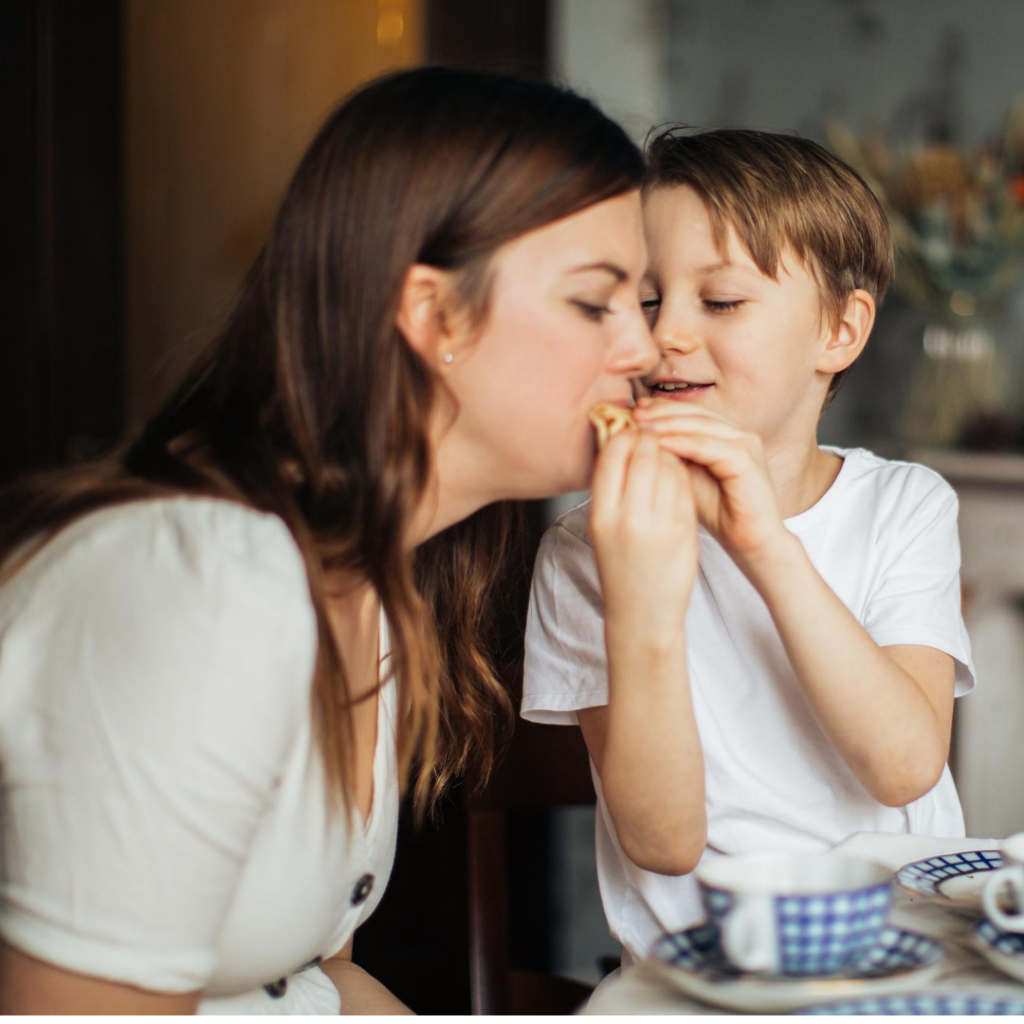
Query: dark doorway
[{"x": 60, "y": 366}]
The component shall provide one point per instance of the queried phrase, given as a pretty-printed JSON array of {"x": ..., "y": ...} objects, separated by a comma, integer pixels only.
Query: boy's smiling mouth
[{"x": 678, "y": 390}]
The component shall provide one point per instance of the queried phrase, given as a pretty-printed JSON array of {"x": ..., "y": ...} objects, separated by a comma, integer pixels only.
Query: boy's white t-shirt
[{"x": 884, "y": 537}]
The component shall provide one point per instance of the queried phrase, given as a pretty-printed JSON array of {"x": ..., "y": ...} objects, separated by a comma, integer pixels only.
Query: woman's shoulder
[
  {"x": 201, "y": 538},
  {"x": 217, "y": 574},
  {"x": 192, "y": 525},
  {"x": 177, "y": 603}
]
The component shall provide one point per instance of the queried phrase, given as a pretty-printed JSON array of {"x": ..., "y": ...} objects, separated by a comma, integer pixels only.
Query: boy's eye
[
  {"x": 722, "y": 306},
  {"x": 650, "y": 307},
  {"x": 592, "y": 312}
]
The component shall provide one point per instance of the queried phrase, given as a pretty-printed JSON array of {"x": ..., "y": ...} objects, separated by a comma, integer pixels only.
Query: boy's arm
[
  {"x": 888, "y": 711},
  {"x": 605, "y": 640},
  {"x": 646, "y": 748},
  {"x": 645, "y": 743}
]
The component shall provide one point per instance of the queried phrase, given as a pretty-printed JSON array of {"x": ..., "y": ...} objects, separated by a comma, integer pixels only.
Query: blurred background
[{"x": 151, "y": 140}]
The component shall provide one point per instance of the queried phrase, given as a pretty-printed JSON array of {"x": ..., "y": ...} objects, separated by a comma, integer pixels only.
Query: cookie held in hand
[{"x": 609, "y": 420}]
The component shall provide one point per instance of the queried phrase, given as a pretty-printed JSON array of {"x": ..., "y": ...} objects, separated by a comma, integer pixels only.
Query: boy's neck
[{"x": 801, "y": 473}]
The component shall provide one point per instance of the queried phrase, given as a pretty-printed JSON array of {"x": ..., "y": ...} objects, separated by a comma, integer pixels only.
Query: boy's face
[{"x": 749, "y": 344}]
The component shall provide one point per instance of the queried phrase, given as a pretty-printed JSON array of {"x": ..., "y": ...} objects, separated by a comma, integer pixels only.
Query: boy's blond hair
[{"x": 781, "y": 191}]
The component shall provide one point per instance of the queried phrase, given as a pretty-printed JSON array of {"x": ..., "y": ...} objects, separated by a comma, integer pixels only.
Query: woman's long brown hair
[{"x": 311, "y": 406}]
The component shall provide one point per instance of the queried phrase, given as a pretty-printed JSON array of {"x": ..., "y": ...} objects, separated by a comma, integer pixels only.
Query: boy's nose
[{"x": 675, "y": 337}]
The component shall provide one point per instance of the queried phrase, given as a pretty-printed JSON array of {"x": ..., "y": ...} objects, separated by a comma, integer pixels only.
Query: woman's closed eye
[{"x": 593, "y": 311}]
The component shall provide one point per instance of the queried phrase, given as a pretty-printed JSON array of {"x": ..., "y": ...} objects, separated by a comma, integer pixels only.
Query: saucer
[
  {"x": 921, "y": 1004},
  {"x": 954, "y": 878},
  {"x": 693, "y": 961},
  {"x": 1004, "y": 950}
]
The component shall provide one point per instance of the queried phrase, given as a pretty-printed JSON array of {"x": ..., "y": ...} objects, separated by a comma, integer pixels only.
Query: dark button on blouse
[
  {"x": 363, "y": 889},
  {"x": 276, "y": 989}
]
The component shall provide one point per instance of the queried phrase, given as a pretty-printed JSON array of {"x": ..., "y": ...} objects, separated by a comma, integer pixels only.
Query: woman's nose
[{"x": 636, "y": 354}]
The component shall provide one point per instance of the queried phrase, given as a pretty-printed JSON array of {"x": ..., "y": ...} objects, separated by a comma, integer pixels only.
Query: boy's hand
[
  {"x": 734, "y": 497},
  {"x": 643, "y": 525}
]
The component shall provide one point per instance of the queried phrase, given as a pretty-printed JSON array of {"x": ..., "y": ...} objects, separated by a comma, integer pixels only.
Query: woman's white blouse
[{"x": 164, "y": 820}]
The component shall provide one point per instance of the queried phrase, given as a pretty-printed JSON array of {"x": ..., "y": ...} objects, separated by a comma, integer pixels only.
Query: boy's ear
[
  {"x": 424, "y": 314},
  {"x": 847, "y": 343}
]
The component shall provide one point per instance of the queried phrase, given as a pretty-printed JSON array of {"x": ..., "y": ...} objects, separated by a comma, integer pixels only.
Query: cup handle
[
  {"x": 1003, "y": 879},
  {"x": 748, "y": 935}
]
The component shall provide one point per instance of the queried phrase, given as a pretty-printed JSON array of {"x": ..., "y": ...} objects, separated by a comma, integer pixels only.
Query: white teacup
[
  {"x": 1007, "y": 881},
  {"x": 795, "y": 914}
]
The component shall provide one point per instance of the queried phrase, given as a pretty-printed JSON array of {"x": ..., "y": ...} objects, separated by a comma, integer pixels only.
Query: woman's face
[{"x": 564, "y": 331}]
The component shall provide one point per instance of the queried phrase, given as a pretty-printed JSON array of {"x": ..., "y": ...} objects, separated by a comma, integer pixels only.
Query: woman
[{"x": 222, "y": 650}]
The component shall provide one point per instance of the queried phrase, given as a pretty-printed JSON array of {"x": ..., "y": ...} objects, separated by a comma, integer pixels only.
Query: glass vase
[{"x": 957, "y": 377}]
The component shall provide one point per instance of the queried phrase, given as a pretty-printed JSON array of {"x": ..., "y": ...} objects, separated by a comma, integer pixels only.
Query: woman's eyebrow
[{"x": 616, "y": 271}]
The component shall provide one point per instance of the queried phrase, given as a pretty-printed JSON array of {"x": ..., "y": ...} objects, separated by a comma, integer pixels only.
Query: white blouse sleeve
[{"x": 155, "y": 665}]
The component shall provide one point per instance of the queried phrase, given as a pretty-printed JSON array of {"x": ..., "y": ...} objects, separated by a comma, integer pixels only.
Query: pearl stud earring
[{"x": 449, "y": 358}]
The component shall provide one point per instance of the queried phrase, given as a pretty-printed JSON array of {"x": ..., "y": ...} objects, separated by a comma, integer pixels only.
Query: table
[{"x": 641, "y": 990}]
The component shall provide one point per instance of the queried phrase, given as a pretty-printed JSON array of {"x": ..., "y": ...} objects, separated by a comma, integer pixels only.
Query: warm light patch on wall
[
  {"x": 390, "y": 24},
  {"x": 221, "y": 100}
]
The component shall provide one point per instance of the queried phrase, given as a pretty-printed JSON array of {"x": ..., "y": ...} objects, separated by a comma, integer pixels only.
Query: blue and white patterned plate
[
  {"x": 918, "y": 1004},
  {"x": 694, "y": 962},
  {"x": 1004, "y": 950},
  {"x": 956, "y": 878}
]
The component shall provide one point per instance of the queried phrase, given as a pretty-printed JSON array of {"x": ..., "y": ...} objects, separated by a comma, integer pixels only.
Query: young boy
[{"x": 823, "y": 639}]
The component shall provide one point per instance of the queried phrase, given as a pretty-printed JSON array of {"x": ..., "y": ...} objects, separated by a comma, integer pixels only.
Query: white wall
[
  {"x": 612, "y": 52},
  {"x": 787, "y": 63}
]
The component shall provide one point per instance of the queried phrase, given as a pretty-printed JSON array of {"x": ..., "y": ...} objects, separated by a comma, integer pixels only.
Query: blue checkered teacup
[
  {"x": 793, "y": 913},
  {"x": 1003, "y": 895}
]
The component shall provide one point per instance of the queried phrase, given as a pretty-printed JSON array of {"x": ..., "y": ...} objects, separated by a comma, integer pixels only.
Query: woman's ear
[
  {"x": 424, "y": 314},
  {"x": 847, "y": 343}
]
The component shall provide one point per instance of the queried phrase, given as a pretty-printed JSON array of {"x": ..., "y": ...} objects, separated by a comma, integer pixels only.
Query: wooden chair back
[{"x": 545, "y": 767}]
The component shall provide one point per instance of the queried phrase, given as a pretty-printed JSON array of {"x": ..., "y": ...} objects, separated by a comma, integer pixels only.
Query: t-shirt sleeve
[
  {"x": 161, "y": 669},
  {"x": 917, "y": 599},
  {"x": 566, "y": 665}
]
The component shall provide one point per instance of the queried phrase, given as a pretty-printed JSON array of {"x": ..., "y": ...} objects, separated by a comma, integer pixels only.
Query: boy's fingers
[
  {"x": 674, "y": 493},
  {"x": 642, "y": 475},
  {"x": 666, "y": 409},
  {"x": 663, "y": 484},
  {"x": 609, "y": 479},
  {"x": 720, "y": 457},
  {"x": 666, "y": 425},
  {"x": 705, "y": 489}
]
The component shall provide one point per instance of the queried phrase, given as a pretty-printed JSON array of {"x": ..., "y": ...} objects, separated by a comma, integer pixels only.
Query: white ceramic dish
[
  {"x": 922, "y": 1004},
  {"x": 1003, "y": 950},
  {"x": 953, "y": 878}
]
